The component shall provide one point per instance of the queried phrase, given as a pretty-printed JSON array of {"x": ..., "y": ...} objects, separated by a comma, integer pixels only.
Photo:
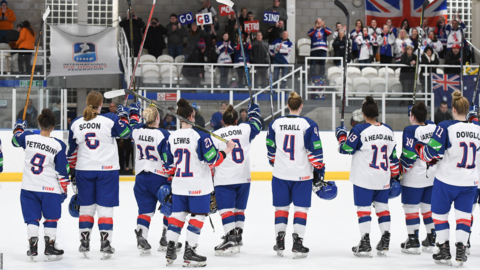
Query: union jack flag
[
  {"x": 444, "y": 85},
  {"x": 398, "y": 10}
]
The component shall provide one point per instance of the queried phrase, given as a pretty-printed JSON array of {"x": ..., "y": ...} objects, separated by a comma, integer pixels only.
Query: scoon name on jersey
[
  {"x": 145, "y": 138},
  {"x": 289, "y": 127},
  {"x": 466, "y": 134},
  {"x": 42, "y": 146},
  {"x": 89, "y": 126},
  {"x": 231, "y": 132},
  {"x": 181, "y": 140},
  {"x": 375, "y": 137}
]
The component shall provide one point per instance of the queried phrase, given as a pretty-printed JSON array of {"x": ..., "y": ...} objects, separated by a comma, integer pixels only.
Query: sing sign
[
  {"x": 226, "y": 10},
  {"x": 271, "y": 17},
  {"x": 204, "y": 18},
  {"x": 252, "y": 26},
  {"x": 186, "y": 18}
]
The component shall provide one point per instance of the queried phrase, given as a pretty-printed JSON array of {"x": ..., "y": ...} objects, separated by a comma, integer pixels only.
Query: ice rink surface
[{"x": 332, "y": 230}]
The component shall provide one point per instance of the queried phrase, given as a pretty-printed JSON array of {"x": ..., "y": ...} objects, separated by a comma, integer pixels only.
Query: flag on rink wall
[
  {"x": 444, "y": 85},
  {"x": 83, "y": 50},
  {"x": 398, "y": 10}
]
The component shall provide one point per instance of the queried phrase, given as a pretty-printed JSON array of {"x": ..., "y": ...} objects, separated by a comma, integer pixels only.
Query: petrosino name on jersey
[
  {"x": 42, "y": 146},
  {"x": 374, "y": 137}
]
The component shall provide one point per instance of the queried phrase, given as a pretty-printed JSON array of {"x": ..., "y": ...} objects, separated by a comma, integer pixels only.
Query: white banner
[{"x": 83, "y": 50}]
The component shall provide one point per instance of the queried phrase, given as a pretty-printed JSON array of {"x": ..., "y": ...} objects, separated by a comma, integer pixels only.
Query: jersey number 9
[{"x": 37, "y": 164}]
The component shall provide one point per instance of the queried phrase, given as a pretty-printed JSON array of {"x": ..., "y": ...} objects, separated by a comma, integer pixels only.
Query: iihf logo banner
[
  {"x": 83, "y": 50},
  {"x": 399, "y": 10}
]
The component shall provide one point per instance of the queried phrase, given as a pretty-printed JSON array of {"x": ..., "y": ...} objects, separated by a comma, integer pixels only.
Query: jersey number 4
[
  {"x": 383, "y": 152},
  {"x": 179, "y": 156},
  {"x": 289, "y": 145},
  {"x": 465, "y": 147}
]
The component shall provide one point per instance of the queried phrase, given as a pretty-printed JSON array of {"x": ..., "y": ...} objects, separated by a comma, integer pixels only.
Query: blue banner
[
  {"x": 186, "y": 18},
  {"x": 443, "y": 86},
  {"x": 22, "y": 83},
  {"x": 271, "y": 17}
]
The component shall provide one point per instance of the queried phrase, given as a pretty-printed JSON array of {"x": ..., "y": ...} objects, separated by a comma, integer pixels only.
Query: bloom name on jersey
[
  {"x": 379, "y": 137},
  {"x": 48, "y": 188},
  {"x": 89, "y": 126},
  {"x": 145, "y": 138},
  {"x": 231, "y": 132},
  {"x": 289, "y": 127},
  {"x": 195, "y": 192},
  {"x": 107, "y": 167},
  {"x": 472, "y": 135},
  {"x": 426, "y": 136},
  {"x": 181, "y": 140},
  {"x": 42, "y": 146}
]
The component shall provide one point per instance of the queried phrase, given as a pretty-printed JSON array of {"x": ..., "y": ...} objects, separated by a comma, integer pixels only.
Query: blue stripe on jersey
[
  {"x": 300, "y": 221},
  {"x": 365, "y": 219},
  {"x": 414, "y": 221},
  {"x": 384, "y": 219},
  {"x": 174, "y": 228},
  {"x": 444, "y": 226},
  {"x": 280, "y": 220},
  {"x": 463, "y": 227}
]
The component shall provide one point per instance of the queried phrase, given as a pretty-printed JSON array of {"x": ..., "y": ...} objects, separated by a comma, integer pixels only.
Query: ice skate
[
  {"x": 280, "y": 246},
  {"x": 238, "y": 238},
  {"x": 411, "y": 245},
  {"x": 429, "y": 243},
  {"x": 85, "y": 244},
  {"x": 192, "y": 259},
  {"x": 299, "y": 251},
  {"x": 52, "y": 253},
  {"x": 163, "y": 243},
  {"x": 228, "y": 245},
  {"x": 142, "y": 244},
  {"x": 33, "y": 248},
  {"x": 171, "y": 253},
  {"x": 363, "y": 249},
  {"x": 460, "y": 254},
  {"x": 105, "y": 248},
  {"x": 383, "y": 245},
  {"x": 443, "y": 256},
  {"x": 468, "y": 246}
]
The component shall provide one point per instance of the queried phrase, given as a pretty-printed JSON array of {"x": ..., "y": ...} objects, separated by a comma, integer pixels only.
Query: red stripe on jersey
[
  {"x": 437, "y": 222},
  {"x": 176, "y": 222},
  {"x": 363, "y": 213},
  {"x": 105, "y": 220},
  {"x": 145, "y": 217},
  {"x": 411, "y": 216},
  {"x": 383, "y": 214},
  {"x": 86, "y": 218},
  {"x": 281, "y": 213},
  {"x": 196, "y": 223},
  {"x": 300, "y": 215},
  {"x": 427, "y": 214},
  {"x": 51, "y": 220},
  {"x": 463, "y": 221},
  {"x": 239, "y": 214},
  {"x": 227, "y": 214}
]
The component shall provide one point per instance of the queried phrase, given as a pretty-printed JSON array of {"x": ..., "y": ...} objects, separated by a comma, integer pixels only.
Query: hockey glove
[
  {"x": 123, "y": 113},
  {"x": 318, "y": 177},
  {"x": 20, "y": 126},
  {"x": 254, "y": 114},
  {"x": 420, "y": 149},
  {"x": 472, "y": 114},
  {"x": 134, "y": 111},
  {"x": 341, "y": 134}
]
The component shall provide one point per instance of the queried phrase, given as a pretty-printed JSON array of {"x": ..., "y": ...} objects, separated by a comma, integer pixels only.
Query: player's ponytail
[
  {"x": 369, "y": 107},
  {"x": 294, "y": 101},
  {"x": 184, "y": 108},
  {"x": 420, "y": 112},
  {"x": 230, "y": 115},
  {"x": 46, "y": 120},
  {"x": 150, "y": 115},
  {"x": 94, "y": 101},
  {"x": 460, "y": 103}
]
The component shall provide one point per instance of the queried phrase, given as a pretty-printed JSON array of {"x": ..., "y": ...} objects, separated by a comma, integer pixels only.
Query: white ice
[{"x": 332, "y": 230}]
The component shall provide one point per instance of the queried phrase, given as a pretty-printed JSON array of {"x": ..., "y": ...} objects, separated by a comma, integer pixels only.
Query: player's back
[
  {"x": 192, "y": 176},
  {"x": 235, "y": 169},
  {"x": 149, "y": 143}
]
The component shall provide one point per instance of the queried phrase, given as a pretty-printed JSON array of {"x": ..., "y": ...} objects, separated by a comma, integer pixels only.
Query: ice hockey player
[
  {"x": 232, "y": 178},
  {"x": 295, "y": 152},
  {"x": 374, "y": 164},
  {"x": 44, "y": 182}
]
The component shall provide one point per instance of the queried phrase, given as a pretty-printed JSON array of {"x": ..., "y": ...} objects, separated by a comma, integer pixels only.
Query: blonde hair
[
  {"x": 460, "y": 103},
  {"x": 406, "y": 35},
  {"x": 294, "y": 101},
  {"x": 150, "y": 115},
  {"x": 94, "y": 100}
]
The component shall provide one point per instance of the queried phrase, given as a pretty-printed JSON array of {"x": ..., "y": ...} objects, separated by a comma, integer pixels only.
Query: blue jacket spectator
[
  {"x": 280, "y": 50},
  {"x": 319, "y": 46},
  {"x": 386, "y": 41}
]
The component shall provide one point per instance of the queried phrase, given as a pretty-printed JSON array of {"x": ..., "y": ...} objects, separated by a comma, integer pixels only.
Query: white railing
[{"x": 6, "y": 56}]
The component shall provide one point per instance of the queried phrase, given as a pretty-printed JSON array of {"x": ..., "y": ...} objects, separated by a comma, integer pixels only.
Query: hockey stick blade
[
  {"x": 154, "y": 2},
  {"x": 47, "y": 12},
  {"x": 341, "y": 6},
  {"x": 226, "y": 2},
  {"x": 114, "y": 94}
]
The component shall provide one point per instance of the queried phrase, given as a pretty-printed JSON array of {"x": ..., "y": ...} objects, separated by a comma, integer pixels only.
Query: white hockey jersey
[
  {"x": 92, "y": 143},
  {"x": 45, "y": 162},
  {"x": 374, "y": 155},
  {"x": 235, "y": 169},
  {"x": 294, "y": 148},
  {"x": 400, "y": 47},
  {"x": 150, "y": 144},
  {"x": 415, "y": 173}
]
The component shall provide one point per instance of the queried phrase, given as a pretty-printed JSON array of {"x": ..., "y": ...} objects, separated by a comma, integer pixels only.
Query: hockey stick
[
  {"x": 345, "y": 11},
  {"x": 271, "y": 85},
  {"x": 424, "y": 6},
  {"x": 132, "y": 79},
  {"x": 461, "y": 57},
  {"x": 121, "y": 92},
  {"x": 131, "y": 46},
  {"x": 234, "y": 7},
  {"x": 45, "y": 15},
  {"x": 476, "y": 88}
]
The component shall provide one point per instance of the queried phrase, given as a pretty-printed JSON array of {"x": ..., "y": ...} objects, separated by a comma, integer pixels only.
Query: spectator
[
  {"x": 414, "y": 38},
  {"x": 318, "y": 45},
  {"x": 175, "y": 35},
  {"x": 212, "y": 56},
  {"x": 249, "y": 33},
  {"x": 243, "y": 116},
  {"x": 224, "y": 49},
  {"x": 454, "y": 33},
  {"x": 247, "y": 47},
  {"x": 69, "y": 123},
  {"x": 25, "y": 42},
  {"x": 6, "y": 21},
  {"x": 441, "y": 32},
  {"x": 400, "y": 44},
  {"x": 232, "y": 29},
  {"x": 353, "y": 35},
  {"x": 392, "y": 28},
  {"x": 374, "y": 32},
  {"x": 280, "y": 50},
  {"x": 217, "y": 118},
  {"x": 386, "y": 42},
  {"x": 407, "y": 74},
  {"x": 432, "y": 41},
  {"x": 278, "y": 9},
  {"x": 31, "y": 116},
  {"x": 154, "y": 41},
  {"x": 406, "y": 27},
  {"x": 275, "y": 32},
  {"x": 357, "y": 118},
  {"x": 169, "y": 123},
  {"x": 112, "y": 108},
  {"x": 338, "y": 26},
  {"x": 195, "y": 74},
  {"x": 199, "y": 121},
  {"x": 442, "y": 113},
  {"x": 364, "y": 45},
  {"x": 56, "y": 110},
  {"x": 138, "y": 24},
  {"x": 428, "y": 58},
  {"x": 193, "y": 37},
  {"x": 207, "y": 8},
  {"x": 452, "y": 57},
  {"x": 424, "y": 30},
  {"x": 339, "y": 45},
  {"x": 260, "y": 55},
  {"x": 242, "y": 17}
]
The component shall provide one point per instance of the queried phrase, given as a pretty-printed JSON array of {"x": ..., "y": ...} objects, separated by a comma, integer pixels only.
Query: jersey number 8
[{"x": 237, "y": 152}]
